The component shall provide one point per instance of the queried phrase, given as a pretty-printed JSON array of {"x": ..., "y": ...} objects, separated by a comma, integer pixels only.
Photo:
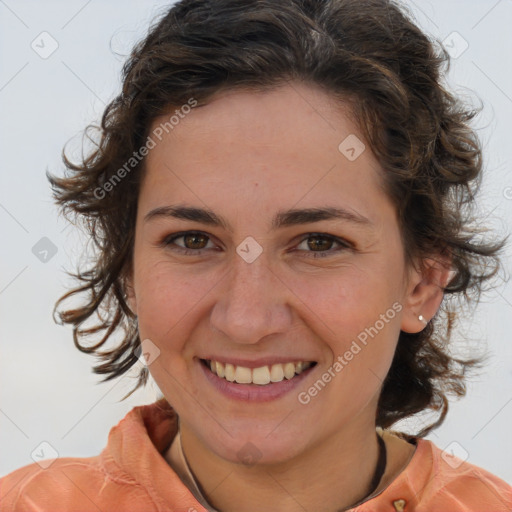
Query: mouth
[{"x": 261, "y": 376}]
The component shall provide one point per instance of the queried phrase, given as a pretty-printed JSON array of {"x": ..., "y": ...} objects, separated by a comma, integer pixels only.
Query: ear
[{"x": 425, "y": 292}]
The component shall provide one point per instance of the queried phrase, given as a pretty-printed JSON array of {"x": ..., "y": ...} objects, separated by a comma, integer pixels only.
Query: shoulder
[
  {"x": 437, "y": 479},
  {"x": 74, "y": 483},
  {"x": 461, "y": 480},
  {"x": 122, "y": 477}
]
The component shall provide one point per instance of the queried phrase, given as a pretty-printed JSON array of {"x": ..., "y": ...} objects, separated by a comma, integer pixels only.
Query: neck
[{"x": 325, "y": 477}]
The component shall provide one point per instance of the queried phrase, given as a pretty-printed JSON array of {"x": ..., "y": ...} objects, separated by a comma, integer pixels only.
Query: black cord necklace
[
  {"x": 381, "y": 466},
  {"x": 377, "y": 475}
]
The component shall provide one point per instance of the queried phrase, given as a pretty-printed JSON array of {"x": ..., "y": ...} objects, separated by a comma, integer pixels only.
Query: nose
[{"x": 252, "y": 303}]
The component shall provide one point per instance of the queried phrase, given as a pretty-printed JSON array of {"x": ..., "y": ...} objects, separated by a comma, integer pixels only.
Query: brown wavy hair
[{"x": 368, "y": 52}]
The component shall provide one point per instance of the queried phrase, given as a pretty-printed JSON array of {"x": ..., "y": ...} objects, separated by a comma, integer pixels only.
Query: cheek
[
  {"x": 358, "y": 320},
  {"x": 357, "y": 315},
  {"x": 165, "y": 296},
  {"x": 347, "y": 302},
  {"x": 167, "y": 306}
]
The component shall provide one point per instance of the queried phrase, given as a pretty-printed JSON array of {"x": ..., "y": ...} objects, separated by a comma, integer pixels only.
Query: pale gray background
[{"x": 47, "y": 390}]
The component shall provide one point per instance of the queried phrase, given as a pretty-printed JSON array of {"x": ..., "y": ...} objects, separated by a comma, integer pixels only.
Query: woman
[{"x": 280, "y": 202}]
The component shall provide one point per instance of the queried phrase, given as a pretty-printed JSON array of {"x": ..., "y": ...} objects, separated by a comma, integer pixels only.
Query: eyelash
[{"x": 169, "y": 240}]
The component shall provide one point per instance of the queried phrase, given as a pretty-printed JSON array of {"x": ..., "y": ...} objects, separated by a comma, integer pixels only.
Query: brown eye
[
  {"x": 318, "y": 243},
  {"x": 321, "y": 245},
  {"x": 193, "y": 242}
]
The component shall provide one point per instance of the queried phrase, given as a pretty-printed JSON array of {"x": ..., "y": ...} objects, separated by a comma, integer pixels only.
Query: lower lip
[{"x": 254, "y": 392}]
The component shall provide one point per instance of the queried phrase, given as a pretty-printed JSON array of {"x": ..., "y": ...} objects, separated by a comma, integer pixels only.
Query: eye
[
  {"x": 321, "y": 245},
  {"x": 318, "y": 245},
  {"x": 194, "y": 242}
]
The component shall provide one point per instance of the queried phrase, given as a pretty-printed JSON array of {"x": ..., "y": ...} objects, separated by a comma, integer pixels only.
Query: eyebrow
[{"x": 282, "y": 219}]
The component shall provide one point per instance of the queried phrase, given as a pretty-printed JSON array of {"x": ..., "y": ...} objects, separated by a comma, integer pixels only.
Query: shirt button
[{"x": 399, "y": 505}]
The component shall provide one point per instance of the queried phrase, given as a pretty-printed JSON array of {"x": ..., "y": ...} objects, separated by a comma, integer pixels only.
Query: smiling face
[{"x": 256, "y": 283}]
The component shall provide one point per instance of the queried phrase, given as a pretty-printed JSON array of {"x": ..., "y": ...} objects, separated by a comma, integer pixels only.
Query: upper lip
[{"x": 256, "y": 363}]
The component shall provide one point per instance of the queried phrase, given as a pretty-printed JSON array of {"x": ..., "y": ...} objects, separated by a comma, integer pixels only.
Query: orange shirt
[{"x": 131, "y": 474}]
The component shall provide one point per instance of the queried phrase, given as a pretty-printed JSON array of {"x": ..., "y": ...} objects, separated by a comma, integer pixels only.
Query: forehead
[
  {"x": 259, "y": 117},
  {"x": 293, "y": 143}
]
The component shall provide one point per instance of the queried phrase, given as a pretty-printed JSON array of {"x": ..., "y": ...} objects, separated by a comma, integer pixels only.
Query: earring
[{"x": 421, "y": 319}]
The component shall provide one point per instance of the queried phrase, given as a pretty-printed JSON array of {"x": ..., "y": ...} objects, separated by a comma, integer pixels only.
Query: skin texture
[{"x": 246, "y": 156}]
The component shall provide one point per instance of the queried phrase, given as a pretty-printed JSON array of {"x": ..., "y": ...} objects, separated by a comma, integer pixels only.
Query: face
[{"x": 253, "y": 284}]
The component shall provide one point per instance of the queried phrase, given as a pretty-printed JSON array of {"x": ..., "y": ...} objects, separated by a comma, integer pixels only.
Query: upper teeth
[{"x": 262, "y": 375}]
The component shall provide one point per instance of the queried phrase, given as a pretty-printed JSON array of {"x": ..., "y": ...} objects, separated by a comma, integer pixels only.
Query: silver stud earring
[{"x": 421, "y": 319}]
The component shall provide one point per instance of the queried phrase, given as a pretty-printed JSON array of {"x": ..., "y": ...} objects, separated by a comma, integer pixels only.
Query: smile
[{"x": 261, "y": 376}]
